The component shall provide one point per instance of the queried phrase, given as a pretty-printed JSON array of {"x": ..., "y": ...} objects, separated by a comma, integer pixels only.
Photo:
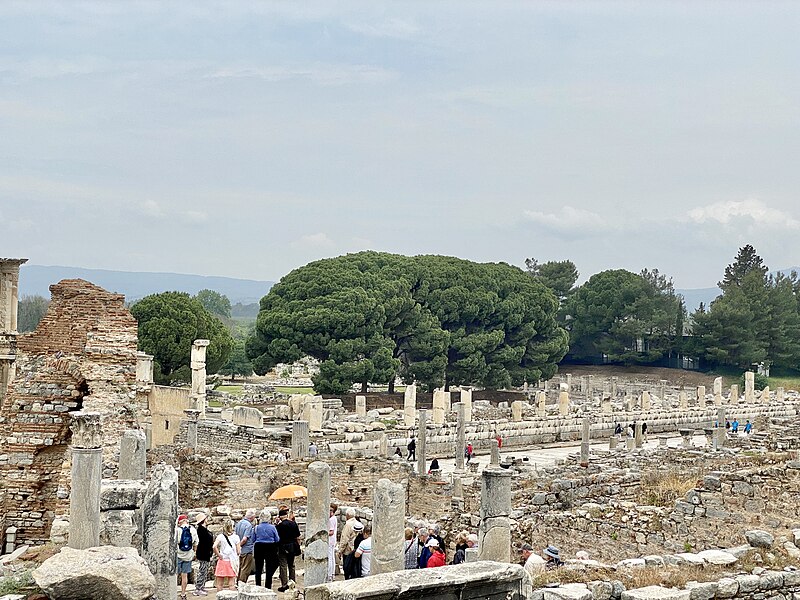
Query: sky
[{"x": 245, "y": 139}]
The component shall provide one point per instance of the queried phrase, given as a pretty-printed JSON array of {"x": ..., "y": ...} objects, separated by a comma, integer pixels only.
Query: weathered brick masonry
[{"x": 82, "y": 356}]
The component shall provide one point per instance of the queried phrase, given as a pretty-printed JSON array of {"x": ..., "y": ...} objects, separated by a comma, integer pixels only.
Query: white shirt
[
  {"x": 333, "y": 525},
  {"x": 227, "y": 552},
  {"x": 365, "y": 547},
  {"x": 535, "y": 565}
]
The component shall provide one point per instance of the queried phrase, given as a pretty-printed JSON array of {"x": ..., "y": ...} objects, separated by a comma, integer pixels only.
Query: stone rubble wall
[{"x": 82, "y": 356}]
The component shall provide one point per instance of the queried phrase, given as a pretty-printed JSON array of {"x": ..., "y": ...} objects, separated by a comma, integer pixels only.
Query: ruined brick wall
[
  {"x": 82, "y": 356},
  {"x": 166, "y": 405}
]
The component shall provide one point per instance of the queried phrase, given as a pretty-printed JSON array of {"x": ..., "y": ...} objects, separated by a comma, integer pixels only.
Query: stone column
[
  {"x": 11, "y": 539},
  {"x": 361, "y": 406},
  {"x": 563, "y": 403},
  {"x": 718, "y": 386},
  {"x": 87, "y": 473},
  {"x": 159, "y": 517},
  {"x": 638, "y": 436},
  {"x": 734, "y": 396},
  {"x": 780, "y": 395},
  {"x": 410, "y": 405},
  {"x": 300, "y": 439},
  {"x": 765, "y": 395},
  {"x": 448, "y": 403},
  {"x": 630, "y": 443},
  {"x": 587, "y": 391},
  {"x": 495, "y": 456},
  {"x": 749, "y": 387},
  {"x": 612, "y": 442},
  {"x": 701, "y": 396},
  {"x": 132, "y": 455},
  {"x": 717, "y": 399},
  {"x": 683, "y": 401},
  {"x": 198, "y": 366},
  {"x": 646, "y": 402},
  {"x": 438, "y": 407},
  {"x": 384, "y": 446},
  {"x": 663, "y": 392},
  {"x": 9, "y": 295},
  {"x": 422, "y": 437},
  {"x": 516, "y": 411},
  {"x": 461, "y": 436},
  {"x": 458, "y": 488},
  {"x": 192, "y": 417},
  {"x": 317, "y": 515},
  {"x": 494, "y": 532},
  {"x": 585, "y": 442},
  {"x": 605, "y": 406},
  {"x": 312, "y": 412},
  {"x": 466, "y": 400},
  {"x": 721, "y": 432},
  {"x": 569, "y": 382},
  {"x": 541, "y": 404},
  {"x": 613, "y": 388},
  {"x": 388, "y": 526}
]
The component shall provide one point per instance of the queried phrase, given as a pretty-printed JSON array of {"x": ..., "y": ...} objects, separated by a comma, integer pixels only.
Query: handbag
[{"x": 234, "y": 556}]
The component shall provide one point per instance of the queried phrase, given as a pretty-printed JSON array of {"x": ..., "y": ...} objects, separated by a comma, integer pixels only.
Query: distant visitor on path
[
  {"x": 618, "y": 431},
  {"x": 461, "y": 547},
  {"x": 412, "y": 449},
  {"x": 312, "y": 450},
  {"x": 434, "y": 466},
  {"x": 469, "y": 452},
  {"x": 735, "y": 428},
  {"x": 748, "y": 427},
  {"x": 499, "y": 441}
]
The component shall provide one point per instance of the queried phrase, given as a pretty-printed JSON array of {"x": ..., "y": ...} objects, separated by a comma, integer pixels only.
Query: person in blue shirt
[
  {"x": 425, "y": 553},
  {"x": 735, "y": 427},
  {"x": 748, "y": 427},
  {"x": 244, "y": 529},
  {"x": 266, "y": 549}
]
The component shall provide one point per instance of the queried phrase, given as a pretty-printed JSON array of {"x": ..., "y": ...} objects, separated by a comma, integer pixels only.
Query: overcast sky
[{"x": 246, "y": 139}]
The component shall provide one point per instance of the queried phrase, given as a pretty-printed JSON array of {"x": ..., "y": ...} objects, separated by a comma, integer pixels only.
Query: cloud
[
  {"x": 755, "y": 211},
  {"x": 319, "y": 73},
  {"x": 390, "y": 28},
  {"x": 316, "y": 241},
  {"x": 197, "y": 216},
  {"x": 572, "y": 222},
  {"x": 151, "y": 208}
]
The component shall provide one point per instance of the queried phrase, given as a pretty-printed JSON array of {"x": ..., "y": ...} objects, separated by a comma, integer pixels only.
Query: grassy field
[
  {"x": 294, "y": 390},
  {"x": 234, "y": 390}
]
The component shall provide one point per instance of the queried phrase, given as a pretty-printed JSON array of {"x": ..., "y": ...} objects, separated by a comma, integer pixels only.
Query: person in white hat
[{"x": 437, "y": 558}]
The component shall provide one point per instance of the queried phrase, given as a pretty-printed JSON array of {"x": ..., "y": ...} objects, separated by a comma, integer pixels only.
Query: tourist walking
[
  {"x": 346, "y": 540},
  {"x": 748, "y": 427},
  {"x": 289, "y": 535},
  {"x": 205, "y": 542},
  {"x": 735, "y": 426},
  {"x": 618, "y": 431},
  {"x": 411, "y": 554},
  {"x": 333, "y": 527},
  {"x": 412, "y": 449},
  {"x": 244, "y": 529},
  {"x": 226, "y": 548},
  {"x": 469, "y": 452},
  {"x": 265, "y": 551},
  {"x": 364, "y": 551},
  {"x": 186, "y": 540}
]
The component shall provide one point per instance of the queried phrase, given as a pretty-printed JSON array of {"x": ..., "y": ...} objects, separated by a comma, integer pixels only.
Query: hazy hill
[
  {"x": 36, "y": 280},
  {"x": 694, "y": 297}
]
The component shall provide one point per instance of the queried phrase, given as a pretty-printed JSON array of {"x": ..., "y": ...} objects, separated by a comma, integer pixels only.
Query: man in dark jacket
[{"x": 289, "y": 543}]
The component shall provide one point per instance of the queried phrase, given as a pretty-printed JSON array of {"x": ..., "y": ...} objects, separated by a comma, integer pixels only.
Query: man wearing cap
[
  {"x": 289, "y": 540},
  {"x": 186, "y": 541},
  {"x": 346, "y": 541},
  {"x": 553, "y": 557},
  {"x": 244, "y": 529},
  {"x": 534, "y": 564}
]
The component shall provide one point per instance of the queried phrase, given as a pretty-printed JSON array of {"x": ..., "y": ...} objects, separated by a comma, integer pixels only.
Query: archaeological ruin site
[{"x": 644, "y": 489}]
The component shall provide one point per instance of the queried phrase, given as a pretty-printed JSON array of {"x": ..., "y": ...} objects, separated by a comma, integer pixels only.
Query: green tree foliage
[
  {"x": 30, "y": 311},
  {"x": 755, "y": 320},
  {"x": 560, "y": 276},
  {"x": 628, "y": 317},
  {"x": 238, "y": 363},
  {"x": 371, "y": 316},
  {"x": 168, "y": 324},
  {"x": 215, "y": 303}
]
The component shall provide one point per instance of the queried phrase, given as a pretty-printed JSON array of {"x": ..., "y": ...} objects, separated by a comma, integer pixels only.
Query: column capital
[{"x": 86, "y": 430}]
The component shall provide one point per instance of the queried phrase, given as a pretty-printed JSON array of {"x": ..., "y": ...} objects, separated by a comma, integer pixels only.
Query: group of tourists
[
  {"x": 734, "y": 427},
  {"x": 257, "y": 544},
  {"x": 537, "y": 564}
]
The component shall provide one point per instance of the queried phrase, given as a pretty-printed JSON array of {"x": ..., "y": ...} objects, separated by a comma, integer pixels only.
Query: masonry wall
[
  {"x": 82, "y": 356},
  {"x": 166, "y": 405}
]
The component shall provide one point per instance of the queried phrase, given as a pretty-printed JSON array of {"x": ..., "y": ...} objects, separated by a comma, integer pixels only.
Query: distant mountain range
[
  {"x": 37, "y": 279},
  {"x": 693, "y": 297}
]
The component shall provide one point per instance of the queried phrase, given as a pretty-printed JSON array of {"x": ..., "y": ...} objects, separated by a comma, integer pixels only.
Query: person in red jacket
[{"x": 437, "y": 558}]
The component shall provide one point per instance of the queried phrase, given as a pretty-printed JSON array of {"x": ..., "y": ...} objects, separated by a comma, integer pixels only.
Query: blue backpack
[{"x": 186, "y": 539}]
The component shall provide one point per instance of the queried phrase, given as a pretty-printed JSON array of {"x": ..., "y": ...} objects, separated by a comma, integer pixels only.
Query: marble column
[
  {"x": 780, "y": 395},
  {"x": 585, "y": 430},
  {"x": 448, "y": 402},
  {"x": 132, "y": 455},
  {"x": 717, "y": 399},
  {"x": 638, "y": 434},
  {"x": 361, "y": 406},
  {"x": 563, "y": 403},
  {"x": 494, "y": 531},
  {"x": 410, "y": 405},
  {"x": 718, "y": 386},
  {"x": 613, "y": 388},
  {"x": 422, "y": 436},
  {"x": 587, "y": 387},
  {"x": 749, "y": 387},
  {"x": 312, "y": 412},
  {"x": 720, "y": 431},
  {"x": 701, "y": 396},
  {"x": 569, "y": 382},
  {"x": 683, "y": 401},
  {"x": 192, "y": 419},
  {"x": 300, "y": 439},
  {"x": 438, "y": 407},
  {"x": 86, "y": 476},
  {"x": 764, "y": 397},
  {"x": 606, "y": 406},
  {"x": 516, "y": 411},
  {"x": 612, "y": 442},
  {"x": 646, "y": 402},
  {"x": 198, "y": 366},
  {"x": 388, "y": 526},
  {"x": 458, "y": 488},
  {"x": 317, "y": 515},
  {"x": 495, "y": 456},
  {"x": 663, "y": 392},
  {"x": 466, "y": 400},
  {"x": 541, "y": 404},
  {"x": 734, "y": 396},
  {"x": 461, "y": 436},
  {"x": 384, "y": 446},
  {"x": 159, "y": 517}
]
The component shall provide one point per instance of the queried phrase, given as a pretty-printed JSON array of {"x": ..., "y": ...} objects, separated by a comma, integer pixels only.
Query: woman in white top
[{"x": 226, "y": 547}]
